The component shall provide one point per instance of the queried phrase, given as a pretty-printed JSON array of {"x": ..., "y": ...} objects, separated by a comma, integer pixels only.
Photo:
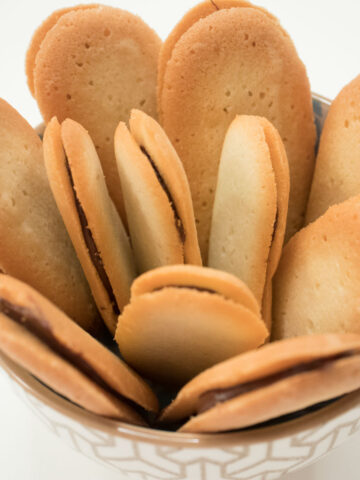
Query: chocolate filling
[
  {"x": 211, "y": 398},
  {"x": 91, "y": 245},
  {"x": 275, "y": 226},
  {"x": 190, "y": 287},
  {"x": 178, "y": 222},
  {"x": 37, "y": 325}
]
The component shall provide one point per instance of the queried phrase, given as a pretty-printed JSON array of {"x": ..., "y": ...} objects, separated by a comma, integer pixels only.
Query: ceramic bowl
[{"x": 261, "y": 453}]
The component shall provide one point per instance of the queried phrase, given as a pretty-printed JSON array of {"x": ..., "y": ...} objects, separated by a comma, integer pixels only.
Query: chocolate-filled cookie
[
  {"x": 156, "y": 194},
  {"x": 43, "y": 340},
  {"x": 250, "y": 206},
  {"x": 279, "y": 378},
  {"x": 94, "y": 225},
  {"x": 183, "y": 319}
]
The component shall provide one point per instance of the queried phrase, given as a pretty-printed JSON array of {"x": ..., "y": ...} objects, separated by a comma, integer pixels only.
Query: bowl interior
[{"x": 289, "y": 426}]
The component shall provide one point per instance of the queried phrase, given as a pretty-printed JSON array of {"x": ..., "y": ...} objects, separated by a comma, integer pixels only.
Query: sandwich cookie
[
  {"x": 156, "y": 194},
  {"x": 250, "y": 206},
  {"x": 183, "y": 319},
  {"x": 47, "y": 343},
  {"x": 277, "y": 379},
  {"x": 316, "y": 287},
  {"x": 39, "y": 36},
  {"x": 95, "y": 228},
  {"x": 200, "y": 10},
  {"x": 337, "y": 167},
  {"x": 35, "y": 246},
  {"x": 94, "y": 66},
  {"x": 236, "y": 61}
]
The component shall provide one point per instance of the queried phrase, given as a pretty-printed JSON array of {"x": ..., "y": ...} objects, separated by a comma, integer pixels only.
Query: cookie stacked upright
[
  {"x": 95, "y": 228},
  {"x": 234, "y": 61},
  {"x": 35, "y": 247},
  {"x": 337, "y": 171},
  {"x": 250, "y": 207},
  {"x": 94, "y": 65},
  {"x": 236, "y": 137}
]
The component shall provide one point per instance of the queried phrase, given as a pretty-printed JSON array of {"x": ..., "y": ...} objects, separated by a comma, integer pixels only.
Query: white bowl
[{"x": 262, "y": 453}]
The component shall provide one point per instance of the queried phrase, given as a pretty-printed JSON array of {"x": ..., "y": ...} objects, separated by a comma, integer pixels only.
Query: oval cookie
[
  {"x": 250, "y": 207},
  {"x": 174, "y": 331},
  {"x": 236, "y": 61},
  {"x": 337, "y": 168},
  {"x": 39, "y": 36},
  {"x": 94, "y": 66},
  {"x": 316, "y": 286},
  {"x": 94, "y": 226},
  {"x": 156, "y": 194},
  {"x": 275, "y": 380},
  {"x": 43, "y": 340},
  {"x": 35, "y": 246}
]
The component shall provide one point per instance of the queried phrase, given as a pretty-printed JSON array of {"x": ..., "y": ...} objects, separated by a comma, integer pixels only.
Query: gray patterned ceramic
[{"x": 142, "y": 454}]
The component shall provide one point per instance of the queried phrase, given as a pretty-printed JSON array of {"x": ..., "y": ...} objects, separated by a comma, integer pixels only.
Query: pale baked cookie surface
[
  {"x": 316, "y": 287},
  {"x": 337, "y": 167},
  {"x": 35, "y": 246},
  {"x": 250, "y": 207},
  {"x": 236, "y": 61},
  {"x": 94, "y": 66},
  {"x": 245, "y": 205}
]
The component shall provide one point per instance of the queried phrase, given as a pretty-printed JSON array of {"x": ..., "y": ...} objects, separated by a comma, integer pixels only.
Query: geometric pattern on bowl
[{"x": 262, "y": 460}]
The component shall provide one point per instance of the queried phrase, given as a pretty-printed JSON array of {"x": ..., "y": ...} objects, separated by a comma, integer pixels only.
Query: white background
[{"x": 327, "y": 36}]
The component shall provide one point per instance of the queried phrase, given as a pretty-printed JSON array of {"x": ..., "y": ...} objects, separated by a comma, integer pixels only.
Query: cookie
[
  {"x": 94, "y": 226},
  {"x": 275, "y": 380},
  {"x": 205, "y": 279},
  {"x": 250, "y": 206},
  {"x": 47, "y": 343},
  {"x": 173, "y": 329},
  {"x": 94, "y": 66},
  {"x": 236, "y": 61},
  {"x": 200, "y": 10},
  {"x": 156, "y": 194},
  {"x": 39, "y": 36},
  {"x": 316, "y": 284},
  {"x": 337, "y": 168},
  {"x": 35, "y": 246}
]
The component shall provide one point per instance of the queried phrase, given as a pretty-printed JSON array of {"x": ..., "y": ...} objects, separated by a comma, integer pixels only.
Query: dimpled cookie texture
[
  {"x": 94, "y": 66},
  {"x": 201, "y": 10},
  {"x": 337, "y": 168},
  {"x": 35, "y": 246},
  {"x": 316, "y": 287},
  {"x": 250, "y": 207},
  {"x": 38, "y": 37},
  {"x": 170, "y": 332},
  {"x": 236, "y": 61}
]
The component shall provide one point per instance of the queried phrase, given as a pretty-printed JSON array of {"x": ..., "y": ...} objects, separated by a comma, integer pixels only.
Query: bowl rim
[{"x": 44, "y": 394}]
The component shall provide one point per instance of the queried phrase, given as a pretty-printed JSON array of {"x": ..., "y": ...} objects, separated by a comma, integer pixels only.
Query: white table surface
[{"x": 327, "y": 36}]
